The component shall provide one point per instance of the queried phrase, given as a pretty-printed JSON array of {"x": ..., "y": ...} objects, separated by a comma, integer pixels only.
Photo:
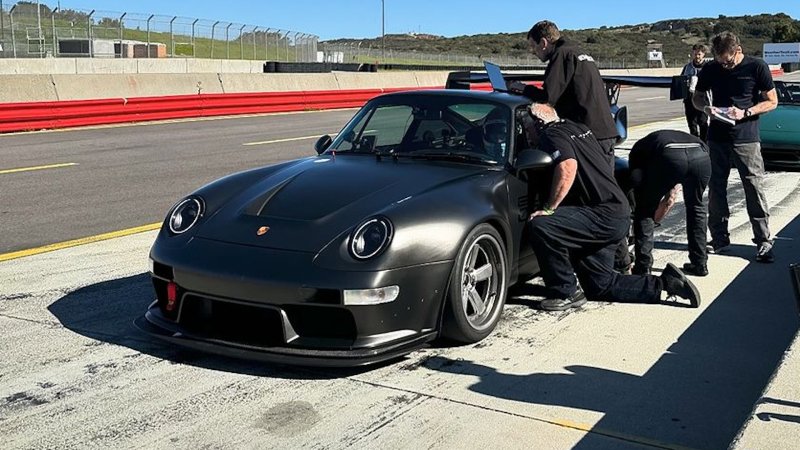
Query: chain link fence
[
  {"x": 28, "y": 30},
  {"x": 354, "y": 52}
]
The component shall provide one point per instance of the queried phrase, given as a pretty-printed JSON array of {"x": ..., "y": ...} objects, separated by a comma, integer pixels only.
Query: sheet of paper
[{"x": 721, "y": 114}]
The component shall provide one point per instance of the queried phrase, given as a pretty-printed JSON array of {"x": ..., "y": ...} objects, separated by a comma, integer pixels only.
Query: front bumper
[
  {"x": 781, "y": 155},
  {"x": 277, "y": 306}
]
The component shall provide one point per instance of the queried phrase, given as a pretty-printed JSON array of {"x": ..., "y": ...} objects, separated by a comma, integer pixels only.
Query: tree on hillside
[{"x": 785, "y": 32}]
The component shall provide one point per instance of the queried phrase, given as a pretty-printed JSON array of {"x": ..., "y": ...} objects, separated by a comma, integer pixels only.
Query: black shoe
[
  {"x": 562, "y": 304},
  {"x": 698, "y": 270},
  {"x": 718, "y": 245},
  {"x": 676, "y": 284},
  {"x": 638, "y": 270},
  {"x": 764, "y": 253}
]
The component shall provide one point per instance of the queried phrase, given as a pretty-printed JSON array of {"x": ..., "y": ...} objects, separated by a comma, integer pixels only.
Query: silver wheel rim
[{"x": 482, "y": 282}]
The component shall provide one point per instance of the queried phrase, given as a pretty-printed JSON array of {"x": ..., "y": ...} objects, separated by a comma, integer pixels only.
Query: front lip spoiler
[{"x": 287, "y": 355}]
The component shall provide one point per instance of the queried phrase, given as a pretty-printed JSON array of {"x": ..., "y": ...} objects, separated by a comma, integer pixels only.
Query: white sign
[
  {"x": 654, "y": 55},
  {"x": 782, "y": 53}
]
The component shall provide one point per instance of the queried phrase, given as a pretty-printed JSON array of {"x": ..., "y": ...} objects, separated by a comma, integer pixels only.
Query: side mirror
[
  {"x": 533, "y": 159},
  {"x": 621, "y": 122},
  {"x": 322, "y": 144}
]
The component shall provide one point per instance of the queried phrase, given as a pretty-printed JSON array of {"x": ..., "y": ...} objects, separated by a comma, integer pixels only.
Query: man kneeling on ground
[{"x": 587, "y": 215}]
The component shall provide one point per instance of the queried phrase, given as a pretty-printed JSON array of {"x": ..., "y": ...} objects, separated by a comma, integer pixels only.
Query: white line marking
[{"x": 650, "y": 98}]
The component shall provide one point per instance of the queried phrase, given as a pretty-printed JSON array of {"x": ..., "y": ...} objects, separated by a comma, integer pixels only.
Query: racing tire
[{"x": 478, "y": 287}]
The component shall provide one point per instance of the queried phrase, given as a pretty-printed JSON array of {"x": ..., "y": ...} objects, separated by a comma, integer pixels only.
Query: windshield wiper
[{"x": 457, "y": 156}]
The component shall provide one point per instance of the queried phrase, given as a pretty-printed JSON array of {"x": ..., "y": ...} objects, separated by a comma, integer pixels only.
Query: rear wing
[{"x": 463, "y": 80}]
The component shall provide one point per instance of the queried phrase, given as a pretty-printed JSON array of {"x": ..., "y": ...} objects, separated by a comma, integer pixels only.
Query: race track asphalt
[
  {"x": 74, "y": 373},
  {"x": 118, "y": 177}
]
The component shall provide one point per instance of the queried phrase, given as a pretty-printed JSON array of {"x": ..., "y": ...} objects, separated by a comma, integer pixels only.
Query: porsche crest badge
[{"x": 262, "y": 231}]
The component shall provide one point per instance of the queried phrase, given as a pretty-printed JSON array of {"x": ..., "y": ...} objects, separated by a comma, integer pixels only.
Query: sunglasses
[{"x": 729, "y": 61}]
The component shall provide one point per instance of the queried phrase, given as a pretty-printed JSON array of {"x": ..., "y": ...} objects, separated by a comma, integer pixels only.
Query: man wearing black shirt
[
  {"x": 580, "y": 227},
  {"x": 741, "y": 89},
  {"x": 660, "y": 163},
  {"x": 572, "y": 84}
]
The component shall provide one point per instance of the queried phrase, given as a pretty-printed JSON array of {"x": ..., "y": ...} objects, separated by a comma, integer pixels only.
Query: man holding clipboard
[{"x": 741, "y": 89}]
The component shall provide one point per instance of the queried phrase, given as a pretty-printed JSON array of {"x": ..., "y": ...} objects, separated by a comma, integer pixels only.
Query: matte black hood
[{"x": 307, "y": 205}]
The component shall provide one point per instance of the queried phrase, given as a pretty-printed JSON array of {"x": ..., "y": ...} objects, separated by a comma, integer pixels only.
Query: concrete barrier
[
  {"x": 103, "y": 65},
  {"x": 278, "y": 82},
  {"x": 204, "y": 65},
  {"x": 431, "y": 78},
  {"x": 86, "y": 87},
  {"x": 46, "y": 66},
  {"x": 146, "y": 65},
  {"x": 237, "y": 66},
  {"x": 27, "y": 88},
  {"x": 375, "y": 80}
]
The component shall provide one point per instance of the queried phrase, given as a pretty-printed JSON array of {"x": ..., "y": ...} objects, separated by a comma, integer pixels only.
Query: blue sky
[{"x": 332, "y": 19}]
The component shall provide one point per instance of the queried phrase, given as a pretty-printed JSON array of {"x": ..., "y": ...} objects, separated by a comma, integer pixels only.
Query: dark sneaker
[
  {"x": 718, "y": 245},
  {"x": 676, "y": 284},
  {"x": 764, "y": 253},
  {"x": 638, "y": 270},
  {"x": 698, "y": 270},
  {"x": 562, "y": 304}
]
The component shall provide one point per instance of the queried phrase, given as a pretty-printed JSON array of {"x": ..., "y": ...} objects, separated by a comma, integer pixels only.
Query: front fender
[{"x": 429, "y": 227}]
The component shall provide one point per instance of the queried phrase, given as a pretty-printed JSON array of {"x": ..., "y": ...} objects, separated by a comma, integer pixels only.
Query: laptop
[{"x": 495, "y": 77}]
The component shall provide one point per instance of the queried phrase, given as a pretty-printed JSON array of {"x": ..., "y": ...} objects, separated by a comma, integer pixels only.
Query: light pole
[
  {"x": 383, "y": 31},
  {"x": 39, "y": 27}
]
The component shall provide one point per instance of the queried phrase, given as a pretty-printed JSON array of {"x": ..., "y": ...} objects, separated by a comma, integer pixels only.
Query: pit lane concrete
[{"x": 74, "y": 372}]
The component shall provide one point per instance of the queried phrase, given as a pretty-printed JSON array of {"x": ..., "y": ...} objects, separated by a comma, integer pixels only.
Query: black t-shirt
[
  {"x": 656, "y": 142},
  {"x": 741, "y": 87},
  {"x": 573, "y": 85},
  {"x": 594, "y": 184}
]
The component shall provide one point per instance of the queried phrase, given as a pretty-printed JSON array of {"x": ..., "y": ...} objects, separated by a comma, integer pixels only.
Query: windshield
[
  {"x": 788, "y": 93},
  {"x": 427, "y": 126}
]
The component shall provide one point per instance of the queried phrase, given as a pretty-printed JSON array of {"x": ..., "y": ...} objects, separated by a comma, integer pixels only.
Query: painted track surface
[{"x": 74, "y": 372}]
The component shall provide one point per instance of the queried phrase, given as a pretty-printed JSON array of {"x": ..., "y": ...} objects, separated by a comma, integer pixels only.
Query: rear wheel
[{"x": 478, "y": 287}]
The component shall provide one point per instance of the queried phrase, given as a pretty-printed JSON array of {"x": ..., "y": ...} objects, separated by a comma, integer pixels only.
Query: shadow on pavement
[
  {"x": 702, "y": 390},
  {"x": 106, "y": 311}
]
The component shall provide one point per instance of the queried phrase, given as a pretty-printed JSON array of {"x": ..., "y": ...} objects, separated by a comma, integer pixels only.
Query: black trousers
[
  {"x": 581, "y": 241},
  {"x": 696, "y": 119},
  {"x": 691, "y": 168}
]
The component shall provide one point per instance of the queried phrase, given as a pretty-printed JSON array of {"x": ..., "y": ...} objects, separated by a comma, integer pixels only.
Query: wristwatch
[{"x": 747, "y": 112}]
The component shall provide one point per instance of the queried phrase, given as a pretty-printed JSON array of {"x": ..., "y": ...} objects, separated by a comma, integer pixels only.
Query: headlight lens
[
  {"x": 371, "y": 238},
  {"x": 185, "y": 214}
]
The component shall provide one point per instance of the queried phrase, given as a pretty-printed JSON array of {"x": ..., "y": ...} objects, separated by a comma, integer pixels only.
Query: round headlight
[
  {"x": 185, "y": 214},
  {"x": 370, "y": 238}
]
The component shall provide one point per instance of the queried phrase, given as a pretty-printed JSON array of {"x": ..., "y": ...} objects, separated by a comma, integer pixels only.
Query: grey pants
[{"x": 750, "y": 164}]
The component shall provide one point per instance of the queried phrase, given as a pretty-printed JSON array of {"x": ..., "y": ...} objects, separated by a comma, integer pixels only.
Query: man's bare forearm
[{"x": 563, "y": 178}]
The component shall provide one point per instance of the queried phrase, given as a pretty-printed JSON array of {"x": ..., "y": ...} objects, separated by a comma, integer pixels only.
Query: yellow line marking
[
  {"x": 77, "y": 242},
  {"x": 614, "y": 434},
  {"x": 28, "y": 169},
  {"x": 276, "y": 141}
]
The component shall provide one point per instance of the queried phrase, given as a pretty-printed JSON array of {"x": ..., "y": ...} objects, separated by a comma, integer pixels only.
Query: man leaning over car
[
  {"x": 578, "y": 230},
  {"x": 572, "y": 84}
]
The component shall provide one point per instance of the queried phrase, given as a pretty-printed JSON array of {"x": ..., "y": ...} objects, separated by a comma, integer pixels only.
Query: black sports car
[{"x": 407, "y": 227}]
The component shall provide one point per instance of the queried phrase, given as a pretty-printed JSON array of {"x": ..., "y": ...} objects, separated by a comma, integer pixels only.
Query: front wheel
[{"x": 478, "y": 287}]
